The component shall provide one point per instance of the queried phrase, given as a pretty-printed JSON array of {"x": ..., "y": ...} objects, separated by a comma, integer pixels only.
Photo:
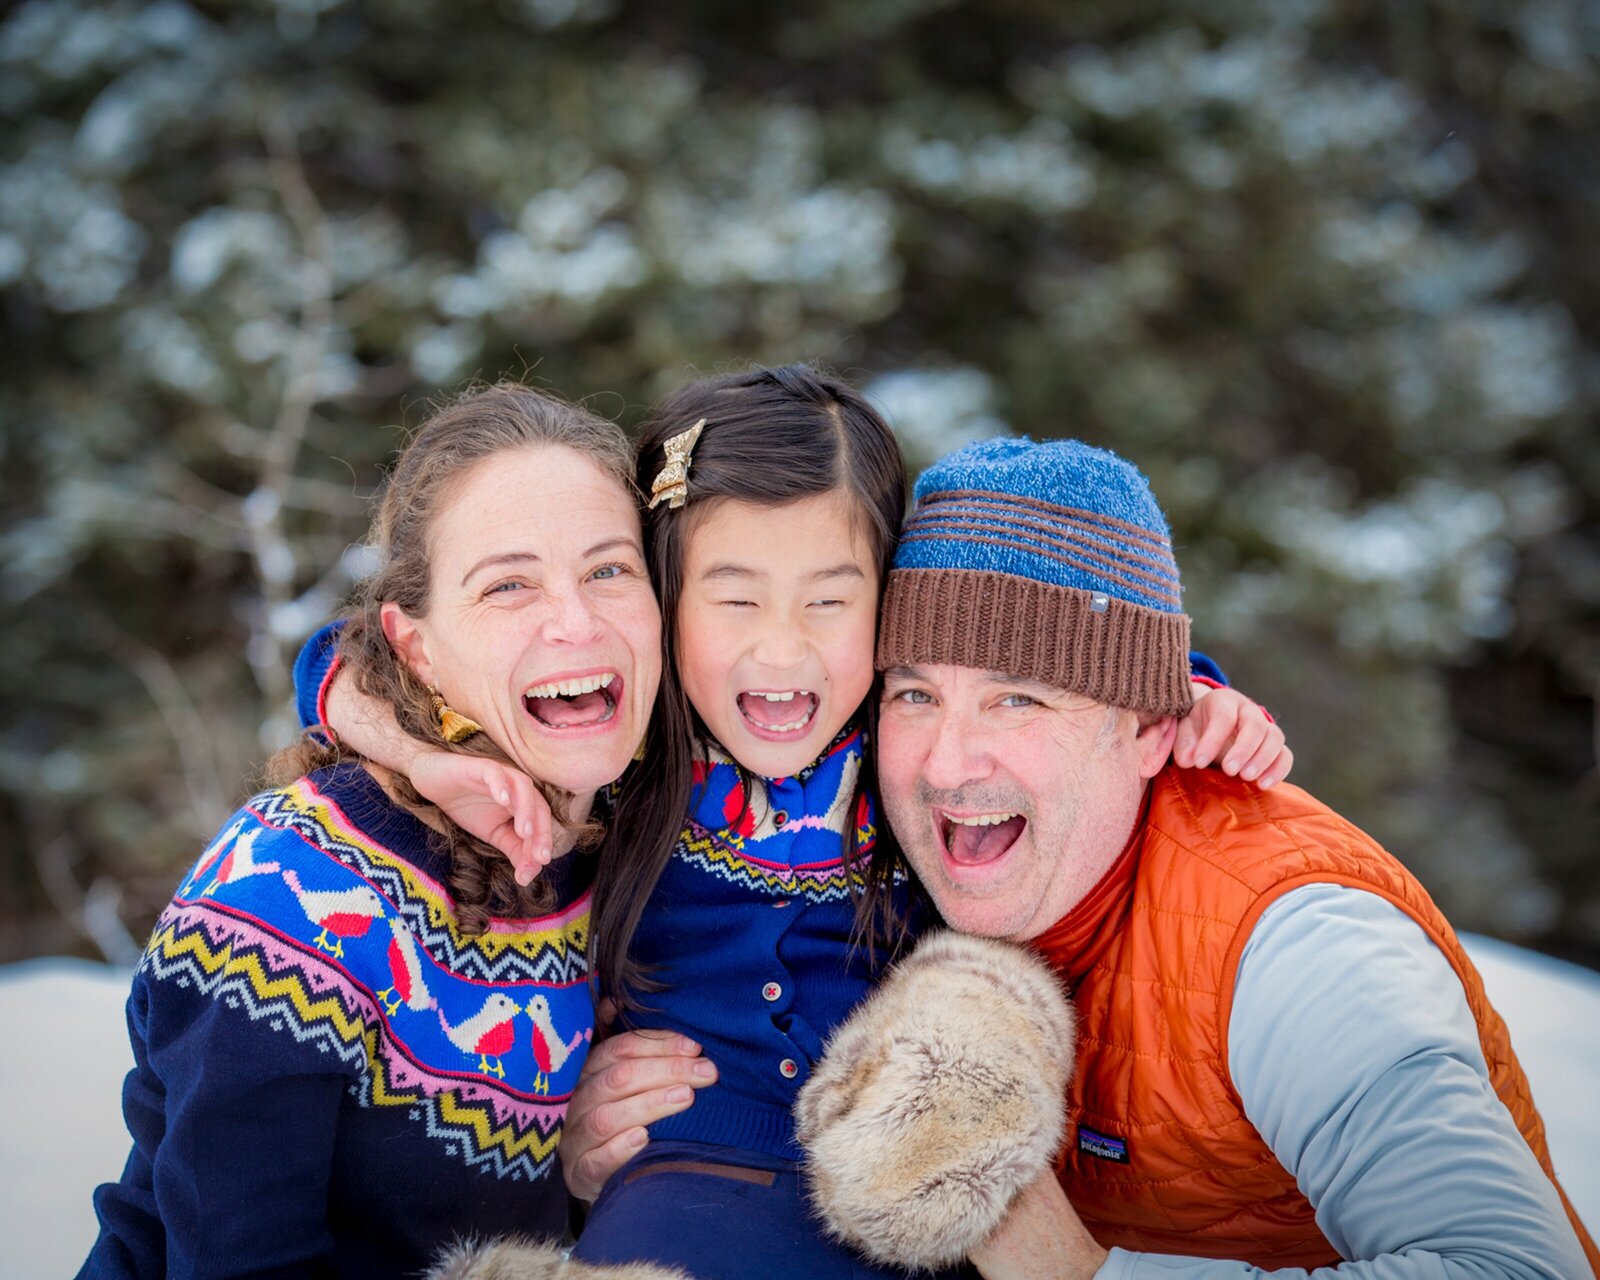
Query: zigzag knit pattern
[{"x": 298, "y": 919}]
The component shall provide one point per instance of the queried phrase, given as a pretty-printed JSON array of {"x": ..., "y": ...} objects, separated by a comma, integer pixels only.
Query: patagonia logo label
[{"x": 1102, "y": 1145}]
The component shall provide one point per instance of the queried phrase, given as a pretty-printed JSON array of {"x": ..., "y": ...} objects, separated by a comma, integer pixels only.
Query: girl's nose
[{"x": 781, "y": 644}]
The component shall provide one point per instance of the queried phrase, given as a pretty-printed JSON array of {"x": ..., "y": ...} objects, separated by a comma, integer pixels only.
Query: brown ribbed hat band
[{"x": 1126, "y": 656}]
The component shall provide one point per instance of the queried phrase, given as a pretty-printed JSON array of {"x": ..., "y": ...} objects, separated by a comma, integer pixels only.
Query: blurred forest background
[{"x": 1327, "y": 269}]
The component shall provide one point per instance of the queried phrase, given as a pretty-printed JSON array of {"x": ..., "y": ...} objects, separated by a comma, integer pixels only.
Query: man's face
[{"x": 1011, "y": 798}]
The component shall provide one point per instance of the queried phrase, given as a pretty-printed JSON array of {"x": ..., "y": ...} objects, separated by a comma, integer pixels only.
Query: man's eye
[
  {"x": 916, "y": 697},
  {"x": 1018, "y": 700}
]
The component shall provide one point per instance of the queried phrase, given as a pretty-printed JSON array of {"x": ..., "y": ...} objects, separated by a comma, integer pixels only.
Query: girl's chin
[{"x": 779, "y": 760}]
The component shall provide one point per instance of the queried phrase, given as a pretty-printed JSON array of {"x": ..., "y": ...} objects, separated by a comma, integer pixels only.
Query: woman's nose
[{"x": 571, "y": 620}]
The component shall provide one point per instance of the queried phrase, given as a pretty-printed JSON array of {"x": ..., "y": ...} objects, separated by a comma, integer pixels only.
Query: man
[{"x": 1284, "y": 1058}]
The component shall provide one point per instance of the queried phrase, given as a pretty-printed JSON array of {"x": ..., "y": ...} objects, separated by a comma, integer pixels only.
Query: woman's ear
[
  {"x": 1153, "y": 743},
  {"x": 406, "y": 638}
]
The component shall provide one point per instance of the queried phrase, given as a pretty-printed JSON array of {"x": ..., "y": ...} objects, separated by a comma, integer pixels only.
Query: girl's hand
[
  {"x": 495, "y": 802},
  {"x": 1227, "y": 726},
  {"x": 629, "y": 1080}
]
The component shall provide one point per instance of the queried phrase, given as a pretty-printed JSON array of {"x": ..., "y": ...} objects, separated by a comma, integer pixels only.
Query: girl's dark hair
[
  {"x": 455, "y": 438},
  {"x": 772, "y": 436}
]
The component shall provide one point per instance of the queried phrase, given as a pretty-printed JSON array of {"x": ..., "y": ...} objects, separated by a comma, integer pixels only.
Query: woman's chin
[{"x": 580, "y": 763}]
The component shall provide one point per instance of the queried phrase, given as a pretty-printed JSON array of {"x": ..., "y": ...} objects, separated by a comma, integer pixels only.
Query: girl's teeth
[
  {"x": 570, "y": 688},
  {"x": 776, "y": 697},
  {"x": 982, "y": 819}
]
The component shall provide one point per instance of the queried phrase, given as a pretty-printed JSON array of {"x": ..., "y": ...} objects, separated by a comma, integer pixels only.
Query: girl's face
[{"x": 776, "y": 626}]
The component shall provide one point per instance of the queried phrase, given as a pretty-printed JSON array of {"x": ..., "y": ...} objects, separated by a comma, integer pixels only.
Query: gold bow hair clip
[{"x": 671, "y": 484}]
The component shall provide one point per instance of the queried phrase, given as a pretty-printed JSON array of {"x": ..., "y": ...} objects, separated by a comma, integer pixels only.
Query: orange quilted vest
[{"x": 1150, "y": 955}]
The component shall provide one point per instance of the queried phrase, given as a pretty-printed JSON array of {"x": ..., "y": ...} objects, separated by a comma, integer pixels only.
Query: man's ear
[
  {"x": 1153, "y": 743},
  {"x": 406, "y": 639}
]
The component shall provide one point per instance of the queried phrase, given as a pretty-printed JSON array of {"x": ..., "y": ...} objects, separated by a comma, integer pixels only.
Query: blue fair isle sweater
[{"x": 329, "y": 1077}]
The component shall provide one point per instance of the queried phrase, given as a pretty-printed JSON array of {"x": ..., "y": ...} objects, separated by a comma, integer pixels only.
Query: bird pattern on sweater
[{"x": 299, "y": 919}]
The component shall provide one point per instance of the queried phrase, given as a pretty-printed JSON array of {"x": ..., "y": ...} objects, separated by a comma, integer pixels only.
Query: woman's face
[{"x": 541, "y": 625}]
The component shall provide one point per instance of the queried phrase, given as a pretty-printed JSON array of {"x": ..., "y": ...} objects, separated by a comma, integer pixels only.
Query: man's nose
[{"x": 956, "y": 754}]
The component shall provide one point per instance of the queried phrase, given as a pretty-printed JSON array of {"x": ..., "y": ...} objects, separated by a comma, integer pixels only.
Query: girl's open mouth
[
  {"x": 974, "y": 839},
  {"x": 574, "y": 702},
  {"x": 779, "y": 715}
]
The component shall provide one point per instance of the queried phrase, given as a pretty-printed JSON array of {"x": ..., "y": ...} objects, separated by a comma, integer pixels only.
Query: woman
[{"x": 354, "y": 1033}]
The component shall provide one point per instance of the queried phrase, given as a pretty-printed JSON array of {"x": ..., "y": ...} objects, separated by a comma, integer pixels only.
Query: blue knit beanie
[{"x": 1049, "y": 560}]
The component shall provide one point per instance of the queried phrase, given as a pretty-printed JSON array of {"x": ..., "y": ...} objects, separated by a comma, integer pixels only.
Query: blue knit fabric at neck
[{"x": 793, "y": 822}]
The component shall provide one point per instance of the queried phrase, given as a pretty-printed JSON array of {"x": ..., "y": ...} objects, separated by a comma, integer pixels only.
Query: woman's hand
[
  {"x": 628, "y": 1081},
  {"x": 493, "y": 801},
  {"x": 1226, "y": 725}
]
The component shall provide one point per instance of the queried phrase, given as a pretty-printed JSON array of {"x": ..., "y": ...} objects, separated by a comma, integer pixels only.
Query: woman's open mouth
[
  {"x": 971, "y": 840},
  {"x": 779, "y": 715},
  {"x": 574, "y": 702}
]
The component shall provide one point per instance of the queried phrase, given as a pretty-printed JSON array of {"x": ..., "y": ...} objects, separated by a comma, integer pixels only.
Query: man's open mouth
[
  {"x": 973, "y": 839},
  {"x": 577, "y": 702},
  {"x": 782, "y": 713}
]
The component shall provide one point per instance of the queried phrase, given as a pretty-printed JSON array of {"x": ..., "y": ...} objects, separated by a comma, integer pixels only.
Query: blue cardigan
[{"x": 750, "y": 928}]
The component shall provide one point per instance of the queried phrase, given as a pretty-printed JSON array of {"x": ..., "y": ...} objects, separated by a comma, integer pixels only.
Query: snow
[{"x": 66, "y": 1051}]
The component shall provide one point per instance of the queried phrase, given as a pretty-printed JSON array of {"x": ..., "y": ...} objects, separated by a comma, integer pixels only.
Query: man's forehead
[{"x": 946, "y": 673}]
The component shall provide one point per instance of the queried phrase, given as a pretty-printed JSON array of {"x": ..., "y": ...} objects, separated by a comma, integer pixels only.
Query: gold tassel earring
[{"x": 453, "y": 726}]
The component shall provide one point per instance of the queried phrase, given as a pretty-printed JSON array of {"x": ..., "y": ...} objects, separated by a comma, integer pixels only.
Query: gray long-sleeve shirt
[{"x": 1357, "y": 1059}]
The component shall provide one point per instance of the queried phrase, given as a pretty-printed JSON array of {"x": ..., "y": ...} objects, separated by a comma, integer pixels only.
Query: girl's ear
[
  {"x": 1153, "y": 743},
  {"x": 406, "y": 638}
]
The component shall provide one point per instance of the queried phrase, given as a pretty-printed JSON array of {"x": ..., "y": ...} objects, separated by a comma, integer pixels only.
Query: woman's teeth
[
  {"x": 577, "y": 703},
  {"x": 570, "y": 688}
]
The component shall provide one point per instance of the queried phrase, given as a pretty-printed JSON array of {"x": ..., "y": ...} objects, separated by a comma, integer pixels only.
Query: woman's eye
[
  {"x": 504, "y": 588},
  {"x": 608, "y": 571}
]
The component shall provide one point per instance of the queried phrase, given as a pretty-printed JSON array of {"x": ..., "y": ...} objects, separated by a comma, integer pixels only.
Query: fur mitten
[
  {"x": 514, "y": 1259},
  {"x": 939, "y": 1099}
]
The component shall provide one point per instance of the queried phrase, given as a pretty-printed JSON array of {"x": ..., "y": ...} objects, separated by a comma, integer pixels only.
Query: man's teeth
[
  {"x": 570, "y": 688},
  {"x": 981, "y": 820}
]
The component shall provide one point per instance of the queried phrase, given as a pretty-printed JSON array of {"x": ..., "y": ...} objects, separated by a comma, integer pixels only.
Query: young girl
[{"x": 755, "y": 924}]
